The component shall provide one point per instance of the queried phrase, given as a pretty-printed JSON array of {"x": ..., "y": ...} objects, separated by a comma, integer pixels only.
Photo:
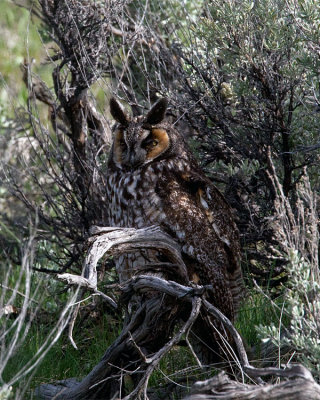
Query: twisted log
[{"x": 147, "y": 336}]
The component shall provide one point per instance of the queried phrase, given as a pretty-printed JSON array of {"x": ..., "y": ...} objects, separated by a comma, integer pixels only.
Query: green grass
[
  {"x": 63, "y": 360},
  {"x": 255, "y": 310},
  {"x": 93, "y": 338},
  {"x": 19, "y": 40},
  {"x": 95, "y": 333}
]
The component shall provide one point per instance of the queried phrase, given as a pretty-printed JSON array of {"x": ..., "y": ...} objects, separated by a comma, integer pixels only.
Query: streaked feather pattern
[{"x": 154, "y": 179}]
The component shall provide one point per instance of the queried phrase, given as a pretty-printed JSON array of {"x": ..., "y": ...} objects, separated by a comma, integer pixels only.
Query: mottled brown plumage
[{"x": 153, "y": 179}]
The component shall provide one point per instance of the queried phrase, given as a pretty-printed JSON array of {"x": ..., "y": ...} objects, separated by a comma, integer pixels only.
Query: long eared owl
[{"x": 153, "y": 179}]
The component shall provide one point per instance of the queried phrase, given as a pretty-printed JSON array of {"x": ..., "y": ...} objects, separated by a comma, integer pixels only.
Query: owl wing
[
  {"x": 202, "y": 221},
  {"x": 219, "y": 214}
]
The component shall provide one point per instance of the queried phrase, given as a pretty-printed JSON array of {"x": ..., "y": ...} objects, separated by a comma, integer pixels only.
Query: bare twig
[{"x": 154, "y": 361}]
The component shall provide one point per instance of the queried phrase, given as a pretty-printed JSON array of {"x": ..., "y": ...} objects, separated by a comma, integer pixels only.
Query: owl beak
[{"x": 132, "y": 160}]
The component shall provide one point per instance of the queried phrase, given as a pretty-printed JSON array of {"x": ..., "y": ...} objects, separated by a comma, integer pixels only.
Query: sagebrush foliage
[
  {"x": 296, "y": 334},
  {"x": 302, "y": 309}
]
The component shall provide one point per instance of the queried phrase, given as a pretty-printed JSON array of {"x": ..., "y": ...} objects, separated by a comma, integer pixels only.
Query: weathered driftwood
[
  {"x": 146, "y": 337},
  {"x": 303, "y": 387}
]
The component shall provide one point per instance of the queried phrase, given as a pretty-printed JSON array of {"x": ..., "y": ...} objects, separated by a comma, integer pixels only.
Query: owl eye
[{"x": 149, "y": 142}]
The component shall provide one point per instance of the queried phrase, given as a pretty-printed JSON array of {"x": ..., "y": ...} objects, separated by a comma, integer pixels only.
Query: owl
[{"x": 153, "y": 179}]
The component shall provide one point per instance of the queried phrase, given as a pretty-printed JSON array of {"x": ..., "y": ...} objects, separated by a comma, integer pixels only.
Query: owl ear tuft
[
  {"x": 118, "y": 113},
  {"x": 157, "y": 112}
]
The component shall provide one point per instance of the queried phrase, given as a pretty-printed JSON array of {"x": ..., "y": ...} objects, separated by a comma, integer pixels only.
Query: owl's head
[{"x": 141, "y": 140}]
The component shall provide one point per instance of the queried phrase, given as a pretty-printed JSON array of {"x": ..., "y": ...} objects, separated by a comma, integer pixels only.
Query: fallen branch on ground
[{"x": 301, "y": 387}]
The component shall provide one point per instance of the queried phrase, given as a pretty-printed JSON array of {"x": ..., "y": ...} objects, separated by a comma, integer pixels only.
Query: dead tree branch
[
  {"x": 303, "y": 387},
  {"x": 145, "y": 338}
]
